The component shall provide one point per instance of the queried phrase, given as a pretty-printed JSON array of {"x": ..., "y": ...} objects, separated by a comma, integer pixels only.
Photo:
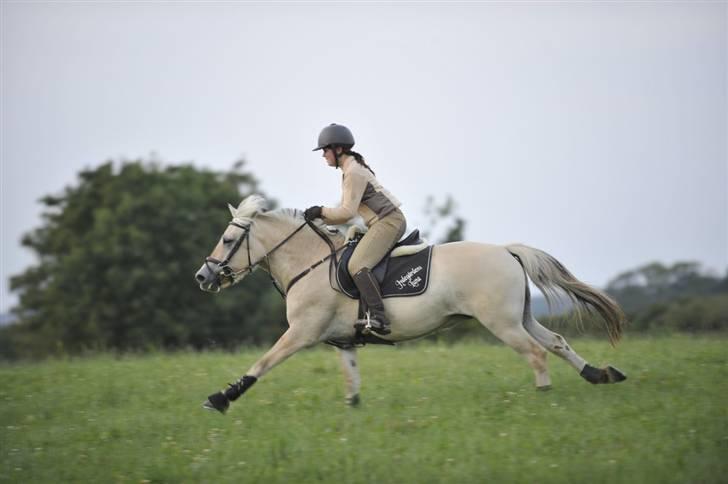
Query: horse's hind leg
[
  {"x": 511, "y": 332},
  {"x": 557, "y": 345}
]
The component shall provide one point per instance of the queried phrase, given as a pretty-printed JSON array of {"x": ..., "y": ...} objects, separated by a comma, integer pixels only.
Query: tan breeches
[{"x": 379, "y": 239}]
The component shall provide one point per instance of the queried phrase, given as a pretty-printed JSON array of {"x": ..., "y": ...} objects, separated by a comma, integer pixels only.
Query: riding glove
[{"x": 312, "y": 213}]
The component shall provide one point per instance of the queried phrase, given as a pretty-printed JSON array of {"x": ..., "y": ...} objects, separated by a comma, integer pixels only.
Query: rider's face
[{"x": 328, "y": 154}]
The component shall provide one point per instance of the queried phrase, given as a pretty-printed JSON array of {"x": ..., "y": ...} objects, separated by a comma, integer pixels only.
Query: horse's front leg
[
  {"x": 291, "y": 341},
  {"x": 351, "y": 375}
]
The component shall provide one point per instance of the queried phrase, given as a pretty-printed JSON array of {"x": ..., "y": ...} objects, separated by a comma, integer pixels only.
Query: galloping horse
[{"x": 468, "y": 280}]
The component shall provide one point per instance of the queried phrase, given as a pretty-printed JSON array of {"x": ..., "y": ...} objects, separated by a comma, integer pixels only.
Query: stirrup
[{"x": 366, "y": 327}]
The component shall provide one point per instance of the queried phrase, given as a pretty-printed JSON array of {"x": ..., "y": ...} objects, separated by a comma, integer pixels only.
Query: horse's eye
[{"x": 227, "y": 241}]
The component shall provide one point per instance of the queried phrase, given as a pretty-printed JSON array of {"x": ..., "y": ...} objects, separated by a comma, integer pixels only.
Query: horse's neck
[{"x": 296, "y": 255}]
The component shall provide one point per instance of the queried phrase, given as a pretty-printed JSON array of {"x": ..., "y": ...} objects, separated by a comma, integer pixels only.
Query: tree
[
  {"x": 117, "y": 254},
  {"x": 652, "y": 283},
  {"x": 444, "y": 215}
]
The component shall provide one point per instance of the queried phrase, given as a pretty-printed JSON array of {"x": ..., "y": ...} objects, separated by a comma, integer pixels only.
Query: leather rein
[{"x": 228, "y": 271}]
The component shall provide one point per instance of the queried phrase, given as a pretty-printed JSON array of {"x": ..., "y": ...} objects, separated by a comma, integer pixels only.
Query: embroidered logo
[{"x": 409, "y": 279}]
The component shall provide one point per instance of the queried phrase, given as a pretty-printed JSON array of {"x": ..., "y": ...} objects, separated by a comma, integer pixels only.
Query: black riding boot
[{"x": 370, "y": 293}]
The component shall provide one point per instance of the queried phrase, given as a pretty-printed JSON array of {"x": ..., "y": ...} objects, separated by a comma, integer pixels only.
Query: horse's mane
[
  {"x": 248, "y": 209},
  {"x": 255, "y": 204}
]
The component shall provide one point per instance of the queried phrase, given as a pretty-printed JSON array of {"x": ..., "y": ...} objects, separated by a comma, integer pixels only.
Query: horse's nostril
[{"x": 200, "y": 278}]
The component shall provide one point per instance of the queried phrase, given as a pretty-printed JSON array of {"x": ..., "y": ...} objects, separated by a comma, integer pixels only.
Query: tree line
[{"x": 117, "y": 252}]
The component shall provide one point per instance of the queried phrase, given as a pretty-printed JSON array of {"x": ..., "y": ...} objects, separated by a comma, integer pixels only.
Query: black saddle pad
[{"x": 398, "y": 276}]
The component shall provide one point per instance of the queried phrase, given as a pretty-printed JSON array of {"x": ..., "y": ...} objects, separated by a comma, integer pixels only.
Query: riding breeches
[{"x": 379, "y": 239}]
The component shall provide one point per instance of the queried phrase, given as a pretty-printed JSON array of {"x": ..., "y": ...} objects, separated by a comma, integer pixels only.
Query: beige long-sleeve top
[{"x": 361, "y": 194}]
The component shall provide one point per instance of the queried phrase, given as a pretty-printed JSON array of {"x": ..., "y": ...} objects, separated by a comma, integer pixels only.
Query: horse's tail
[{"x": 552, "y": 278}]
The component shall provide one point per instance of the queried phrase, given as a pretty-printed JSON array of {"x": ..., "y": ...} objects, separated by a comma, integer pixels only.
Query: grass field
[{"x": 429, "y": 413}]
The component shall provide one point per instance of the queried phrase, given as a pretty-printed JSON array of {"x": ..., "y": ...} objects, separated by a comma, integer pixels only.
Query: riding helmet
[{"x": 335, "y": 134}]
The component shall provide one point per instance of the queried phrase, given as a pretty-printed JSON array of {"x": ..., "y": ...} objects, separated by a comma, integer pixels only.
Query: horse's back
[{"x": 467, "y": 257}]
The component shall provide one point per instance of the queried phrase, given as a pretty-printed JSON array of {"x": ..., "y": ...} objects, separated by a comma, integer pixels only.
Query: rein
[{"x": 332, "y": 256}]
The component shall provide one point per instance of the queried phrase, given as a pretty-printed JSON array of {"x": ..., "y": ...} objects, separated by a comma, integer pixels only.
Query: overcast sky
[{"x": 594, "y": 131}]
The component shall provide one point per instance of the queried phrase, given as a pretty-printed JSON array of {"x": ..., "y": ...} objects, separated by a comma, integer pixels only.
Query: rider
[{"x": 361, "y": 194}]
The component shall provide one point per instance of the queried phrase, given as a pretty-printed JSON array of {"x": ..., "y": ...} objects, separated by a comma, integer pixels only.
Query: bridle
[
  {"x": 224, "y": 265},
  {"x": 234, "y": 276}
]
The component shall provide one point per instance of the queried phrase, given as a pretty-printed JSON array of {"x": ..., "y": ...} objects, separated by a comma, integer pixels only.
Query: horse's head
[{"x": 230, "y": 260}]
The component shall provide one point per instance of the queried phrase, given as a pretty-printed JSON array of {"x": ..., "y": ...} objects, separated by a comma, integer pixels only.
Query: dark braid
[{"x": 359, "y": 159}]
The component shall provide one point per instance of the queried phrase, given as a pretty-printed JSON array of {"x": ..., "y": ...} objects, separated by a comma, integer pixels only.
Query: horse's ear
[{"x": 233, "y": 210}]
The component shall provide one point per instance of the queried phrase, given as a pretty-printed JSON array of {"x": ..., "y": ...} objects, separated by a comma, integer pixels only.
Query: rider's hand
[{"x": 312, "y": 213}]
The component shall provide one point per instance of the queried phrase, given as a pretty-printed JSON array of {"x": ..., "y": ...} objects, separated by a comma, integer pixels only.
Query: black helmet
[{"x": 335, "y": 134}]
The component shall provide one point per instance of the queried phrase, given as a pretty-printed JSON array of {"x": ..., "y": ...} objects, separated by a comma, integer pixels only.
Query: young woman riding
[{"x": 361, "y": 194}]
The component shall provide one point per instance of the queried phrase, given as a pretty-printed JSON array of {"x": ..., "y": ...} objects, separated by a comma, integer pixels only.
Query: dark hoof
[
  {"x": 544, "y": 388},
  {"x": 353, "y": 401},
  {"x": 602, "y": 375},
  {"x": 594, "y": 375},
  {"x": 614, "y": 375},
  {"x": 217, "y": 401}
]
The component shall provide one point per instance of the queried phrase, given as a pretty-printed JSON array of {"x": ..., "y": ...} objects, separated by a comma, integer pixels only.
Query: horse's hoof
[
  {"x": 615, "y": 375},
  {"x": 544, "y": 388},
  {"x": 602, "y": 375},
  {"x": 353, "y": 401},
  {"x": 594, "y": 375},
  {"x": 217, "y": 401}
]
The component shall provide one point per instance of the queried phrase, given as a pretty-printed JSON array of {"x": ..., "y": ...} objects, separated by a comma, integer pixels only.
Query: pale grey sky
[{"x": 594, "y": 131}]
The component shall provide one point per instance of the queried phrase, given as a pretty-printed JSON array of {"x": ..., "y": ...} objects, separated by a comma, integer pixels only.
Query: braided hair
[{"x": 359, "y": 159}]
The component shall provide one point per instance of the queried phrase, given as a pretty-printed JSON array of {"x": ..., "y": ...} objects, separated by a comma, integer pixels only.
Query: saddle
[{"x": 404, "y": 271}]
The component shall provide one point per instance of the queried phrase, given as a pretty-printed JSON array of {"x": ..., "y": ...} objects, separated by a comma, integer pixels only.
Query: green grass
[{"x": 463, "y": 413}]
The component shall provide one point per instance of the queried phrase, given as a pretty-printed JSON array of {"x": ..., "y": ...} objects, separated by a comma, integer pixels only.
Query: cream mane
[
  {"x": 248, "y": 209},
  {"x": 255, "y": 204}
]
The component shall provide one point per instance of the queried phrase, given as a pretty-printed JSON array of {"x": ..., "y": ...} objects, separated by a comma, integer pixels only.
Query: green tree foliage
[
  {"x": 117, "y": 255},
  {"x": 681, "y": 297},
  {"x": 443, "y": 218},
  {"x": 655, "y": 283}
]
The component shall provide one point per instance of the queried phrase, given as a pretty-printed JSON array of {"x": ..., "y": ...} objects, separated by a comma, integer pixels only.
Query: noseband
[{"x": 224, "y": 266}]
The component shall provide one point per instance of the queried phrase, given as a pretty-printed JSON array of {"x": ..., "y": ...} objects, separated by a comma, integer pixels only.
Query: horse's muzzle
[{"x": 207, "y": 279}]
